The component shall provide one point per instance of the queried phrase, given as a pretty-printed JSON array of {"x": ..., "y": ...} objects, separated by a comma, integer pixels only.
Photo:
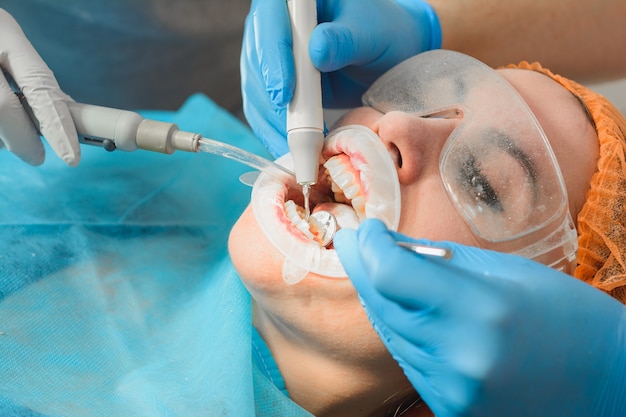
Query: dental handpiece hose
[
  {"x": 305, "y": 117},
  {"x": 125, "y": 130}
]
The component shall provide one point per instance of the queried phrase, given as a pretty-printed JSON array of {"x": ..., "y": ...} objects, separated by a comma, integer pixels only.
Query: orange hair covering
[{"x": 602, "y": 219}]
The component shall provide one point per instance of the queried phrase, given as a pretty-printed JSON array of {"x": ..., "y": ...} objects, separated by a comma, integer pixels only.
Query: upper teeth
[
  {"x": 344, "y": 183},
  {"x": 346, "y": 190}
]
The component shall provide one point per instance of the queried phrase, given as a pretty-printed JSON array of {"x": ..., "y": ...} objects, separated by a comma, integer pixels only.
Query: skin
[
  {"x": 569, "y": 37},
  {"x": 329, "y": 355}
]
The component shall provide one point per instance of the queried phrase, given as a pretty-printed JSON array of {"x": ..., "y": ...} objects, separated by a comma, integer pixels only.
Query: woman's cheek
[
  {"x": 254, "y": 257},
  {"x": 428, "y": 213}
]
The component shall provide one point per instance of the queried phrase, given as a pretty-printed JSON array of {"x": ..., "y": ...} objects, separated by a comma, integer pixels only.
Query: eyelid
[
  {"x": 449, "y": 113},
  {"x": 446, "y": 113},
  {"x": 473, "y": 171}
]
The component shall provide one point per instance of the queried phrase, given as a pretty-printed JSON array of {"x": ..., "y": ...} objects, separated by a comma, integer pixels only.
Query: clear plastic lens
[
  {"x": 504, "y": 185},
  {"x": 497, "y": 166}
]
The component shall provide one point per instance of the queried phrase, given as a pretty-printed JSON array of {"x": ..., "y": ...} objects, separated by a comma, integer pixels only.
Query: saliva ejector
[
  {"x": 123, "y": 129},
  {"x": 126, "y": 130}
]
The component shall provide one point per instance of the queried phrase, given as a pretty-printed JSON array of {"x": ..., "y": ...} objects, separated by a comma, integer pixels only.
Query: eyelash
[{"x": 478, "y": 185}]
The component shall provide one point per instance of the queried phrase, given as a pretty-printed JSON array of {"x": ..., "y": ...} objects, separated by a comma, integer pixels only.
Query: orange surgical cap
[{"x": 602, "y": 219}]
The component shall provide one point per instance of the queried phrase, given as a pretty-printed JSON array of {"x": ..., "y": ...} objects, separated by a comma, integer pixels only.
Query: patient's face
[{"x": 325, "y": 312}]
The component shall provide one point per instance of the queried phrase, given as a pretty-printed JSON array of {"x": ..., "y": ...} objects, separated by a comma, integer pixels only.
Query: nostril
[{"x": 396, "y": 156}]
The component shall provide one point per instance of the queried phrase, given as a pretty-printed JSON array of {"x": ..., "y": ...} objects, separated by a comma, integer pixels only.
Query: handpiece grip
[
  {"x": 130, "y": 131},
  {"x": 123, "y": 129},
  {"x": 96, "y": 123},
  {"x": 305, "y": 117}
]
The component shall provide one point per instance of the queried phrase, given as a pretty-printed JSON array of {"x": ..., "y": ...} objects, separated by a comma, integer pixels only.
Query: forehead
[
  {"x": 438, "y": 79},
  {"x": 565, "y": 122}
]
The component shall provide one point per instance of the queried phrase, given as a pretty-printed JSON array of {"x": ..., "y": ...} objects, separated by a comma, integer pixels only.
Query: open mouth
[
  {"x": 357, "y": 180},
  {"x": 339, "y": 191}
]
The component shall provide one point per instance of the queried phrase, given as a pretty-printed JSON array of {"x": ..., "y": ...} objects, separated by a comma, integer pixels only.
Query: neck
[{"x": 333, "y": 379}]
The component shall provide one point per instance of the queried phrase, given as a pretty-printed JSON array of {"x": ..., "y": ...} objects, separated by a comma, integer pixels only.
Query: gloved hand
[
  {"x": 355, "y": 42},
  {"x": 490, "y": 334},
  {"x": 21, "y": 63}
]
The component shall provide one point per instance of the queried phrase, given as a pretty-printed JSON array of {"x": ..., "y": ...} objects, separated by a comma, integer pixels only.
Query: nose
[{"x": 415, "y": 142}]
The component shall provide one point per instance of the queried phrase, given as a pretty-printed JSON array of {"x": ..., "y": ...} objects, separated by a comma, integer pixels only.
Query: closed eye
[{"x": 477, "y": 185}]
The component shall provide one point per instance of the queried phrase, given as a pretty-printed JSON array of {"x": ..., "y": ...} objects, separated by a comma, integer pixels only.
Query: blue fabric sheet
[{"x": 117, "y": 296}]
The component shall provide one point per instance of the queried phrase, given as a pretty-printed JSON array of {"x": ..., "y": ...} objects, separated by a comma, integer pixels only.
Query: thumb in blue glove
[
  {"x": 355, "y": 43},
  {"x": 358, "y": 41},
  {"x": 490, "y": 334},
  {"x": 267, "y": 72}
]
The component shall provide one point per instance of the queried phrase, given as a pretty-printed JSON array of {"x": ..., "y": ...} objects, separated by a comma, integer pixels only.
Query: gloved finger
[
  {"x": 390, "y": 319},
  {"x": 17, "y": 131},
  {"x": 55, "y": 120},
  {"x": 267, "y": 121},
  {"x": 266, "y": 118},
  {"x": 346, "y": 243},
  {"x": 471, "y": 273},
  {"x": 271, "y": 29},
  {"x": 422, "y": 363},
  {"x": 327, "y": 47},
  {"x": 378, "y": 307},
  {"x": 347, "y": 246},
  {"x": 375, "y": 304},
  {"x": 331, "y": 49},
  {"x": 432, "y": 376},
  {"x": 56, "y": 125},
  {"x": 268, "y": 124},
  {"x": 413, "y": 358},
  {"x": 344, "y": 37},
  {"x": 412, "y": 280},
  {"x": 42, "y": 92}
]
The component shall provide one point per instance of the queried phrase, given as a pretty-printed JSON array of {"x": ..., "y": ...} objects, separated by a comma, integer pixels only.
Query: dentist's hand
[
  {"x": 355, "y": 42},
  {"x": 21, "y": 62},
  {"x": 490, "y": 334}
]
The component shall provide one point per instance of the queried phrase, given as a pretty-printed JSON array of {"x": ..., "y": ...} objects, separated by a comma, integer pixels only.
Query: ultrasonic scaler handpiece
[{"x": 305, "y": 117}]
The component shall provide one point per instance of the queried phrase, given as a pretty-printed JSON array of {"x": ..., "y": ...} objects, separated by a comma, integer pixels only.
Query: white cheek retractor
[{"x": 302, "y": 254}]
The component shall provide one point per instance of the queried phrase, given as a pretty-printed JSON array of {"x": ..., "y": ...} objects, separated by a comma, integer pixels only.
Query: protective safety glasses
[{"x": 497, "y": 166}]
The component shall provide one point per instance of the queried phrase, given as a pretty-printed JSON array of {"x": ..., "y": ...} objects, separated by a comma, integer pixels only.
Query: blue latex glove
[
  {"x": 355, "y": 42},
  {"x": 490, "y": 334}
]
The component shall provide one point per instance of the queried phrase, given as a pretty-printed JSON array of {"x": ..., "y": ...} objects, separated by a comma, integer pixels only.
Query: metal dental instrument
[
  {"x": 427, "y": 250},
  {"x": 122, "y": 129},
  {"x": 305, "y": 117},
  {"x": 328, "y": 223}
]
